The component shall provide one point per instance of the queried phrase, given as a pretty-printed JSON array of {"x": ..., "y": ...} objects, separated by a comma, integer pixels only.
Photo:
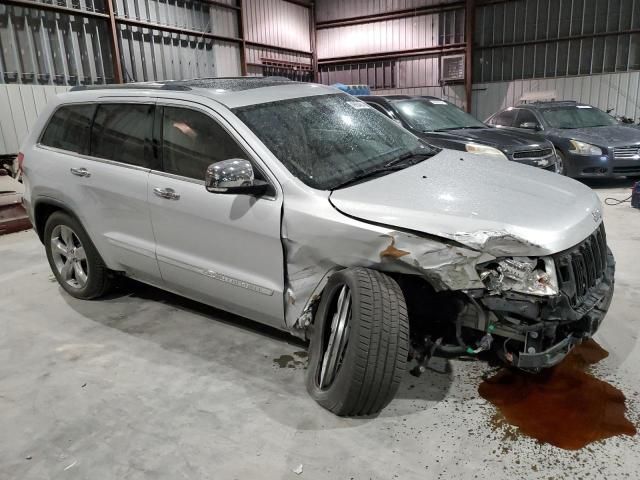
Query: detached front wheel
[{"x": 359, "y": 343}]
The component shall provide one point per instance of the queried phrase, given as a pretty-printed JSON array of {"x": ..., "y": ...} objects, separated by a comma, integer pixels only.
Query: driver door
[{"x": 221, "y": 249}]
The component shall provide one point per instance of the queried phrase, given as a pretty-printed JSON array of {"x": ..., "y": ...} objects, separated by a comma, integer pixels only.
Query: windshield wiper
[{"x": 392, "y": 166}]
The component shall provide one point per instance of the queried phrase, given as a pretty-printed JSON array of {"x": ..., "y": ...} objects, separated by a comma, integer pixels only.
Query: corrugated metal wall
[
  {"x": 42, "y": 47},
  {"x": 153, "y": 54},
  {"x": 338, "y": 9},
  {"x": 386, "y": 38},
  {"x": 280, "y": 24},
  {"x": 20, "y": 105},
  {"x": 422, "y": 31},
  {"x": 277, "y": 22},
  {"x": 619, "y": 91},
  {"x": 554, "y": 38}
]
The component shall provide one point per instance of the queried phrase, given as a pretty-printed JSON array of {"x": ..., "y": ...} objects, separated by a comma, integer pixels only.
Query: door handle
[
  {"x": 169, "y": 193},
  {"x": 80, "y": 172}
]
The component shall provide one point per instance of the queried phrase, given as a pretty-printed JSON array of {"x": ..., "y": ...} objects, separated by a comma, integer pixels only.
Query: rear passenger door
[
  {"x": 121, "y": 147},
  {"x": 221, "y": 249},
  {"x": 101, "y": 156}
]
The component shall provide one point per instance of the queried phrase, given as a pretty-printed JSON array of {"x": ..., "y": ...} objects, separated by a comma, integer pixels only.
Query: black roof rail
[{"x": 131, "y": 86}]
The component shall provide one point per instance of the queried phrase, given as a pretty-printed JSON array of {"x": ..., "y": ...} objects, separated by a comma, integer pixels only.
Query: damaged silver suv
[{"x": 301, "y": 207}]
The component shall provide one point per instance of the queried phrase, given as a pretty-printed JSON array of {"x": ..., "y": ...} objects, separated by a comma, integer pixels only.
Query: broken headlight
[{"x": 533, "y": 276}]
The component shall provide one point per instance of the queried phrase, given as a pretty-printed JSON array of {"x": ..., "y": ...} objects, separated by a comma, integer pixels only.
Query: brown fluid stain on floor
[
  {"x": 565, "y": 405},
  {"x": 297, "y": 360}
]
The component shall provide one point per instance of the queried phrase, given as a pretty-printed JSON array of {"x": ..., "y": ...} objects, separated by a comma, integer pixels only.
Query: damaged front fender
[{"x": 313, "y": 254}]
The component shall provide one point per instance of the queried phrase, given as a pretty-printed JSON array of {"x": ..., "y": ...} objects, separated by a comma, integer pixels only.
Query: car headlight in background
[
  {"x": 533, "y": 276},
  {"x": 484, "y": 150},
  {"x": 582, "y": 148}
]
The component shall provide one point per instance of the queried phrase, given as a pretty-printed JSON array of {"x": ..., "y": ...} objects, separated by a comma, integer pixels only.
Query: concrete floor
[{"x": 145, "y": 384}]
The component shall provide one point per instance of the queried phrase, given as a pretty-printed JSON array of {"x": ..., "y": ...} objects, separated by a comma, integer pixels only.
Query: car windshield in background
[
  {"x": 428, "y": 115},
  {"x": 329, "y": 140},
  {"x": 580, "y": 116}
]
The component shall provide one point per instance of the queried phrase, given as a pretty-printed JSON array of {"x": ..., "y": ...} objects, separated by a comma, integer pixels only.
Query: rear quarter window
[{"x": 69, "y": 128}]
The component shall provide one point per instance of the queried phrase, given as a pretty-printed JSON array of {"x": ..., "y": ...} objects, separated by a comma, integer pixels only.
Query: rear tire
[
  {"x": 371, "y": 361},
  {"x": 73, "y": 258}
]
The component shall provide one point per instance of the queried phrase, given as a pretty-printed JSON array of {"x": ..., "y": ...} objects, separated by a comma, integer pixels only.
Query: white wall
[
  {"x": 20, "y": 105},
  {"x": 620, "y": 91}
]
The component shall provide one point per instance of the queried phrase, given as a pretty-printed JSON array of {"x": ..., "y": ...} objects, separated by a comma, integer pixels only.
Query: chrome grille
[
  {"x": 582, "y": 267},
  {"x": 541, "y": 153},
  {"x": 630, "y": 153}
]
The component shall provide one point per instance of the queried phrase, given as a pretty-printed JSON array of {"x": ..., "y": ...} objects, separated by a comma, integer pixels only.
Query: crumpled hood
[
  {"x": 490, "y": 205},
  {"x": 614, "y": 136},
  {"x": 506, "y": 140}
]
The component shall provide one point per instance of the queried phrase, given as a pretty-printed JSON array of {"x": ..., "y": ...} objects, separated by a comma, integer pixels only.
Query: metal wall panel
[
  {"x": 20, "y": 106},
  {"x": 340, "y": 9},
  {"x": 42, "y": 47},
  {"x": 421, "y": 31},
  {"x": 277, "y": 22},
  {"x": 571, "y": 37},
  {"x": 190, "y": 15},
  {"x": 227, "y": 57},
  {"x": 619, "y": 91}
]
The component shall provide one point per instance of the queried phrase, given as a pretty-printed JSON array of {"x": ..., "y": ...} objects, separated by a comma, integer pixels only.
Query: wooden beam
[
  {"x": 378, "y": 17},
  {"x": 55, "y": 8},
  {"x": 452, "y": 48},
  {"x": 243, "y": 43},
  {"x": 470, "y": 19},
  {"x": 178, "y": 30},
  {"x": 275, "y": 47},
  {"x": 113, "y": 41}
]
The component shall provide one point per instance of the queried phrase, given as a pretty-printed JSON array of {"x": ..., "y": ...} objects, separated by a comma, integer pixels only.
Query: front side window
[
  {"x": 433, "y": 115},
  {"x": 69, "y": 128},
  {"x": 122, "y": 133},
  {"x": 504, "y": 119},
  {"x": 191, "y": 141},
  {"x": 577, "y": 116},
  {"x": 526, "y": 119},
  {"x": 328, "y": 140}
]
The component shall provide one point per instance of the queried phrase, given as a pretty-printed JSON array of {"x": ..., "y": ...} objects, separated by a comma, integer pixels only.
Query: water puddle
[{"x": 565, "y": 405}]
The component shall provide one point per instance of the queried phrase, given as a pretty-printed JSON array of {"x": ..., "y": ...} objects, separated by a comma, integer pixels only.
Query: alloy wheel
[
  {"x": 338, "y": 338},
  {"x": 69, "y": 256}
]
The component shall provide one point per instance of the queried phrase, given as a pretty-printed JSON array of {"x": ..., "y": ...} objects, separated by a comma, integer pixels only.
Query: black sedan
[
  {"x": 590, "y": 142},
  {"x": 443, "y": 124}
]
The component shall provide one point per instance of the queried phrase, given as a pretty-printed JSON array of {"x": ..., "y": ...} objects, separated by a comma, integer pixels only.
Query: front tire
[
  {"x": 359, "y": 343},
  {"x": 561, "y": 163},
  {"x": 73, "y": 258}
]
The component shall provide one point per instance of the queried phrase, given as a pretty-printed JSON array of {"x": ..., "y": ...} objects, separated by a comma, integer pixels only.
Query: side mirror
[
  {"x": 234, "y": 176},
  {"x": 530, "y": 126}
]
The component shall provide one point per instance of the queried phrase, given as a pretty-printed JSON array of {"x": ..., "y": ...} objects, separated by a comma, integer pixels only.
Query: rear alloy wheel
[
  {"x": 359, "y": 343},
  {"x": 73, "y": 258},
  {"x": 69, "y": 256}
]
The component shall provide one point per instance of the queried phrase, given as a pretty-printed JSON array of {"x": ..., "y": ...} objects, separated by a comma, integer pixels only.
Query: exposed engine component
[{"x": 534, "y": 276}]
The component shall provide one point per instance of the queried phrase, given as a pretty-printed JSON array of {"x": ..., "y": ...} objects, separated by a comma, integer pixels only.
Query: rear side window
[
  {"x": 504, "y": 119},
  {"x": 122, "y": 133},
  {"x": 191, "y": 141},
  {"x": 69, "y": 128}
]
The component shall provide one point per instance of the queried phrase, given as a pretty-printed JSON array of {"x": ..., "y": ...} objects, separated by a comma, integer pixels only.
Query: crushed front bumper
[{"x": 538, "y": 333}]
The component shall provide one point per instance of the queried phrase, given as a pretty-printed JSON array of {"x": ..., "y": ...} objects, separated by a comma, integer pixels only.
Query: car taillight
[{"x": 20, "y": 162}]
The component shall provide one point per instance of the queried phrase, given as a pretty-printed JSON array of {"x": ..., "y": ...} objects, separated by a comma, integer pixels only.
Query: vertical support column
[
  {"x": 113, "y": 40},
  {"x": 470, "y": 19},
  {"x": 243, "y": 45},
  {"x": 312, "y": 41}
]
